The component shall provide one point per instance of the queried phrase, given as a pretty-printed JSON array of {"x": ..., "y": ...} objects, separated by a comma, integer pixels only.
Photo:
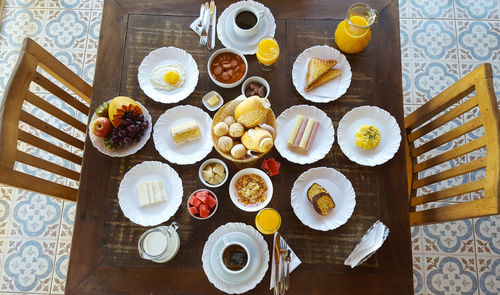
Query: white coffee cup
[
  {"x": 251, "y": 31},
  {"x": 228, "y": 243}
]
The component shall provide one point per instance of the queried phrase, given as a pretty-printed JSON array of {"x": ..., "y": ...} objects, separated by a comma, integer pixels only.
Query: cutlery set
[
  {"x": 206, "y": 27},
  {"x": 282, "y": 257}
]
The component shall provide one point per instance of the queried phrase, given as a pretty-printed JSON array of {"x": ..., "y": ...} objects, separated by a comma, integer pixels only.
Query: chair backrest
[
  {"x": 472, "y": 92},
  {"x": 31, "y": 59}
]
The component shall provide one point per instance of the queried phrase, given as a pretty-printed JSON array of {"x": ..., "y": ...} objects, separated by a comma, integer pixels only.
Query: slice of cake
[
  {"x": 320, "y": 199},
  {"x": 185, "y": 132}
]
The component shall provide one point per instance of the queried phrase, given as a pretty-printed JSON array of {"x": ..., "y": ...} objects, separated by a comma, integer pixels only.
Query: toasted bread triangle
[
  {"x": 329, "y": 75},
  {"x": 317, "y": 67}
]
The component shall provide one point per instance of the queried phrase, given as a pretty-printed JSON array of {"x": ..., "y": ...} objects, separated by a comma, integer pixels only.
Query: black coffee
[
  {"x": 246, "y": 20},
  {"x": 235, "y": 257}
]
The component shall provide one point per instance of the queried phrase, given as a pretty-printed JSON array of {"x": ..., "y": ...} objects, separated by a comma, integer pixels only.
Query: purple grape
[
  {"x": 139, "y": 117},
  {"x": 128, "y": 121},
  {"x": 122, "y": 143},
  {"x": 122, "y": 133},
  {"x": 114, "y": 132},
  {"x": 115, "y": 139},
  {"x": 136, "y": 139},
  {"x": 122, "y": 127},
  {"x": 132, "y": 129},
  {"x": 145, "y": 124},
  {"x": 140, "y": 132},
  {"x": 127, "y": 140}
]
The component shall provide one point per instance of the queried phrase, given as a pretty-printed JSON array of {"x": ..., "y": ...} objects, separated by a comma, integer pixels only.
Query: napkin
[
  {"x": 195, "y": 23},
  {"x": 293, "y": 263},
  {"x": 369, "y": 244}
]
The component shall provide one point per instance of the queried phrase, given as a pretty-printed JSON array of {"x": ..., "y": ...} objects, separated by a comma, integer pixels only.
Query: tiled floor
[{"x": 441, "y": 41}]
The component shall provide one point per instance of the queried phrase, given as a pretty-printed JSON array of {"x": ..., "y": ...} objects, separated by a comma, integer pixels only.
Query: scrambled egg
[{"x": 367, "y": 137}]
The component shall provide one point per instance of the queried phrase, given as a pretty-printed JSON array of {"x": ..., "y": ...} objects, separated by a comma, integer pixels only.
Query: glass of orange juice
[
  {"x": 353, "y": 34},
  {"x": 268, "y": 52},
  {"x": 268, "y": 221}
]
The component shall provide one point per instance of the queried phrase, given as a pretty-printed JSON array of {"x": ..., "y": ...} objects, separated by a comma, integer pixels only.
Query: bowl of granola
[{"x": 251, "y": 189}]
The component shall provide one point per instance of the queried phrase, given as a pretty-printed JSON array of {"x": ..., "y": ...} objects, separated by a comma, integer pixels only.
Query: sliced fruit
[
  {"x": 194, "y": 201},
  {"x": 204, "y": 211},
  {"x": 211, "y": 202},
  {"x": 119, "y": 106},
  {"x": 193, "y": 210}
]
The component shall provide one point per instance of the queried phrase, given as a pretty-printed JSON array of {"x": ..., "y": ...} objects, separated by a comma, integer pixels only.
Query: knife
[
  {"x": 210, "y": 43},
  {"x": 277, "y": 263}
]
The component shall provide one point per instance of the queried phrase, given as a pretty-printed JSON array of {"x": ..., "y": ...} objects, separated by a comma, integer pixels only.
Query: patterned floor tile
[
  {"x": 67, "y": 220},
  {"x": 477, "y": 9},
  {"x": 97, "y": 4},
  {"x": 468, "y": 66},
  {"x": 450, "y": 275},
  {"x": 430, "y": 9},
  {"x": 94, "y": 29},
  {"x": 8, "y": 59},
  {"x": 418, "y": 274},
  {"x": 489, "y": 275},
  {"x": 454, "y": 237},
  {"x": 61, "y": 266},
  {"x": 20, "y": 23},
  {"x": 478, "y": 41},
  {"x": 433, "y": 39},
  {"x": 67, "y": 29},
  {"x": 431, "y": 78},
  {"x": 487, "y": 234}
]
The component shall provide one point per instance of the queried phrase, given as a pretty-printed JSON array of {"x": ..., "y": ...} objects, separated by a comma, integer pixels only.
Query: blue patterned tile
[
  {"x": 67, "y": 29},
  {"x": 418, "y": 274},
  {"x": 434, "y": 39},
  {"x": 94, "y": 30},
  {"x": 416, "y": 239},
  {"x": 487, "y": 231},
  {"x": 489, "y": 275},
  {"x": 454, "y": 237},
  {"x": 20, "y": 23},
  {"x": 431, "y": 9},
  {"x": 404, "y": 34},
  {"x": 403, "y": 9},
  {"x": 479, "y": 41},
  {"x": 68, "y": 219},
  {"x": 61, "y": 267},
  {"x": 28, "y": 266},
  {"x": 477, "y": 9},
  {"x": 432, "y": 78},
  {"x": 468, "y": 66},
  {"x": 97, "y": 4},
  {"x": 450, "y": 275}
]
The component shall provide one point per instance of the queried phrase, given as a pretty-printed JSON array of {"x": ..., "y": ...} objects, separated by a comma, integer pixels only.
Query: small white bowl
[
  {"x": 225, "y": 85},
  {"x": 233, "y": 194},
  {"x": 208, "y": 96},
  {"x": 212, "y": 161},
  {"x": 257, "y": 79},
  {"x": 213, "y": 212}
]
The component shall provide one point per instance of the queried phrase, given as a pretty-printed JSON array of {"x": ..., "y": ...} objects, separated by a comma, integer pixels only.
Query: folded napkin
[
  {"x": 195, "y": 23},
  {"x": 293, "y": 263},
  {"x": 369, "y": 244}
]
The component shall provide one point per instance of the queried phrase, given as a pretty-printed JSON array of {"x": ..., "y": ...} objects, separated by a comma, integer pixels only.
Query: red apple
[{"x": 101, "y": 127}]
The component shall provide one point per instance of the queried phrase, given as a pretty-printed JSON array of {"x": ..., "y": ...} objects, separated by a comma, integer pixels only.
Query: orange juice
[
  {"x": 268, "y": 221},
  {"x": 353, "y": 34},
  {"x": 268, "y": 51}
]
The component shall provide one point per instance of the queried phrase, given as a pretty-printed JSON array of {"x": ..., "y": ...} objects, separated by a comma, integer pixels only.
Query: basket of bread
[{"x": 244, "y": 130}]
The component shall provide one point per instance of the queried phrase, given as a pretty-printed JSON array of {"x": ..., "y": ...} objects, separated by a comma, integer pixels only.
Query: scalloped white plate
[
  {"x": 383, "y": 121},
  {"x": 339, "y": 187},
  {"x": 154, "y": 214},
  {"x": 98, "y": 142},
  {"x": 332, "y": 89},
  {"x": 185, "y": 153},
  {"x": 230, "y": 39},
  {"x": 163, "y": 56},
  {"x": 249, "y": 278},
  {"x": 322, "y": 143}
]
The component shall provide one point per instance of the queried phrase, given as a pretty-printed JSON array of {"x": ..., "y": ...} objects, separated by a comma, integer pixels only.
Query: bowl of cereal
[{"x": 251, "y": 189}]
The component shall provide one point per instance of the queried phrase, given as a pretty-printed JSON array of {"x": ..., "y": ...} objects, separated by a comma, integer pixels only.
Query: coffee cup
[
  {"x": 246, "y": 21},
  {"x": 234, "y": 257}
]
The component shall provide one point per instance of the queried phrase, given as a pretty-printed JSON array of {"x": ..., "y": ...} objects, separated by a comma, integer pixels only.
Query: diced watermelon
[
  {"x": 203, "y": 197},
  {"x": 193, "y": 200},
  {"x": 211, "y": 202},
  {"x": 204, "y": 211},
  {"x": 193, "y": 210}
]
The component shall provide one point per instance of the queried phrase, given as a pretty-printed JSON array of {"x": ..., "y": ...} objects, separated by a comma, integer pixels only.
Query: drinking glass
[
  {"x": 268, "y": 221},
  {"x": 268, "y": 52}
]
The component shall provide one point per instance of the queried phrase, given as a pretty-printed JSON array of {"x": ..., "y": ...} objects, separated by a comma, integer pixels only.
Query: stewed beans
[{"x": 227, "y": 68}]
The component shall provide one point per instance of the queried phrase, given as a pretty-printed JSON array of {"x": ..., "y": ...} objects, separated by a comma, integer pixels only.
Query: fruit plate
[
  {"x": 188, "y": 152},
  {"x": 340, "y": 189},
  {"x": 163, "y": 56},
  {"x": 322, "y": 143},
  {"x": 233, "y": 193},
  {"x": 383, "y": 121},
  {"x": 153, "y": 214},
  {"x": 98, "y": 142},
  {"x": 259, "y": 257},
  {"x": 332, "y": 89}
]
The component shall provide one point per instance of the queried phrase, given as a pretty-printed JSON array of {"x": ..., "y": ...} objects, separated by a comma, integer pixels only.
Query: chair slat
[
  {"x": 451, "y": 154},
  {"x": 48, "y": 147},
  {"x": 450, "y": 135},
  {"x": 449, "y": 192},
  {"x": 37, "y": 185},
  {"x": 51, "y": 109},
  {"x": 63, "y": 95},
  {"x": 443, "y": 119},
  {"x": 45, "y": 127},
  {"x": 28, "y": 159},
  {"x": 452, "y": 172}
]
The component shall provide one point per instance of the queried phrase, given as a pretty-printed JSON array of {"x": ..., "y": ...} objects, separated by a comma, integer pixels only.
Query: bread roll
[
  {"x": 221, "y": 129},
  {"x": 252, "y": 111},
  {"x": 225, "y": 143},
  {"x": 257, "y": 139},
  {"x": 238, "y": 151},
  {"x": 236, "y": 130},
  {"x": 229, "y": 120}
]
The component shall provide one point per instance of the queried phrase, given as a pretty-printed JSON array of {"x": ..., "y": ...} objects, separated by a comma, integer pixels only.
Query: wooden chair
[
  {"x": 31, "y": 58},
  {"x": 424, "y": 120}
]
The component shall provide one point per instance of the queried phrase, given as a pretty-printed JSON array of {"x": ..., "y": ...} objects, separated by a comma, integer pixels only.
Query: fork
[
  {"x": 199, "y": 27},
  {"x": 204, "y": 31},
  {"x": 283, "y": 252}
]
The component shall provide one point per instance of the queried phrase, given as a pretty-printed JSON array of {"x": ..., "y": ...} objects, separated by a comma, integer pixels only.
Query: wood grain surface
[{"x": 104, "y": 252}]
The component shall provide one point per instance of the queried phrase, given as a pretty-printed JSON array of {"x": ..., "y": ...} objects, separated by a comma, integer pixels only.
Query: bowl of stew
[{"x": 227, "y": 67}]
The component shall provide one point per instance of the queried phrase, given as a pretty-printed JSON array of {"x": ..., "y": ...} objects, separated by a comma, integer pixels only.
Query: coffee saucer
[{"x": 230, "y": 39}]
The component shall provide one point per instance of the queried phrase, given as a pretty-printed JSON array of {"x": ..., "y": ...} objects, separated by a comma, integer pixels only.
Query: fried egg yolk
[{"x": 172, "y": 77}]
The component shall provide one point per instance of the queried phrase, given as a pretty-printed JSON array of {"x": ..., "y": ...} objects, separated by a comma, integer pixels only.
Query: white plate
[
  {"x": 154, "y": 214},
  {"x": 230, "y": 39},
  {"x": 332, "y": 89},
  {"x": 98, "y": 142},
  {"x": 233, "y": 194},
  {"x": 339, "y": 187},
  {"x": 163, "y": 56},
  {"x": 249, "y": 278},
  {"x": 322, "y": 142},
  {"x": 185, "y": 153},
  {"x": 383, "y": 121}
]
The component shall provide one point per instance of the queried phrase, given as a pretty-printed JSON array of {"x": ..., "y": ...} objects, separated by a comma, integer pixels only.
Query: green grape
[{"x": 110, "y": 145}]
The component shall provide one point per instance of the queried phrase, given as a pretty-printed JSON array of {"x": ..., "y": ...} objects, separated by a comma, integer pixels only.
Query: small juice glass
[
  {"x": 353, "y": 34},
  {"x": 268, "y": 221},
  {"x": 268, "y": 52}
]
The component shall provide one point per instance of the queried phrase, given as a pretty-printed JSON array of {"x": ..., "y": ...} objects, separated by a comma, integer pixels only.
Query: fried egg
[{"x": 168, "y": 77}]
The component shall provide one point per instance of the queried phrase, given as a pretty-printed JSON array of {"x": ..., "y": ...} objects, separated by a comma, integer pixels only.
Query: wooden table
[{"x": 104, "y": 257}]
